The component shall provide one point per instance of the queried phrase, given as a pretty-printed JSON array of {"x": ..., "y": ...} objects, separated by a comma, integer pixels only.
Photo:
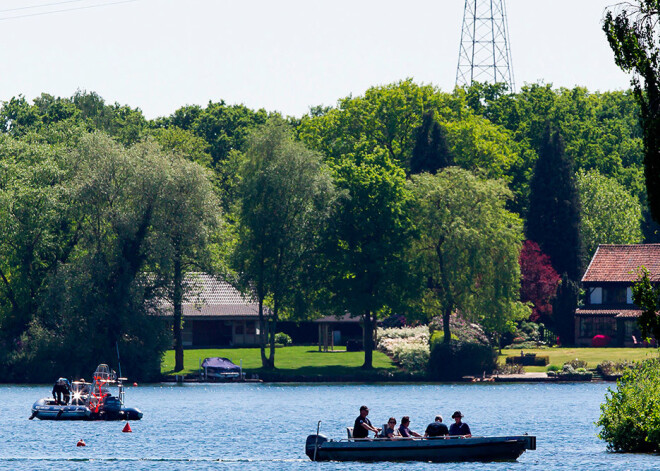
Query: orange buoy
[
  {"x": 135, "y": 384},
  {"x": 81, "y": 442},
  {"x": 127, "y": 428}
]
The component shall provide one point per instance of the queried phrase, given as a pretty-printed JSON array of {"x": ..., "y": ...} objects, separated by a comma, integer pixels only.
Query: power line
[
  {"x": 42, "y": 5},
  {"x": 67, "y": 9}
]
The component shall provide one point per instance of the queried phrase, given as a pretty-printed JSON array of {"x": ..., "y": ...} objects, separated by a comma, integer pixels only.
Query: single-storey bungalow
[
  {"x": 216, "y": 314},
  {"x": 608, "y": 306}
]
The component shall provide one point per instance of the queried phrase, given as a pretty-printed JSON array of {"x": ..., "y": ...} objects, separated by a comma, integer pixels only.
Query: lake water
[{"x": 264, "y": 426}]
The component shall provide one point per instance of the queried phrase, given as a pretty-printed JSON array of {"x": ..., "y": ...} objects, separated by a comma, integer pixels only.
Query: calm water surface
[{"x": 264, "y": 426}]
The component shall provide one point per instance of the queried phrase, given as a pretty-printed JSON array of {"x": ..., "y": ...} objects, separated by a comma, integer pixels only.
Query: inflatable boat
[{"x": 89, "y": 401}]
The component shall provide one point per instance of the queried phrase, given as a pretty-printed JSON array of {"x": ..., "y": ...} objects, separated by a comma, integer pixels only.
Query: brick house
[{"x": 608, "y": 305}]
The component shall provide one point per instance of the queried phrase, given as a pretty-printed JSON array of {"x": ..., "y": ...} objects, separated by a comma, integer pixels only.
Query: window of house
[
  {"x": 629, "y": 298},
  {"x": 250, "y": 327},
  {"x": 615, "y": 295},
  {"x": 596, "y": 296}
]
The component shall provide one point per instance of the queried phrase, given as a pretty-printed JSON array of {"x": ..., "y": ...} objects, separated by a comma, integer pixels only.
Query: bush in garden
[
  {"x": 461, "y": 329},
  {"x": 553, "y": 368},
  {"x": 577, "y": 363},
  {"x": 407, "y": 346},
  {"x": 283, "y": 339},
  {"x": 451, "y": 361},
  {"x": 630, "y": 417},
  {"x": 611, "y": 368}
]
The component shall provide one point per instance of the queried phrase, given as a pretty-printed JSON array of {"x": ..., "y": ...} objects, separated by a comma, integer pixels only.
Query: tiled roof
[
  {"x": 618, "y": 263},
  {"x": 207, "y": 296},
  {"x": 609, "y": 312}
]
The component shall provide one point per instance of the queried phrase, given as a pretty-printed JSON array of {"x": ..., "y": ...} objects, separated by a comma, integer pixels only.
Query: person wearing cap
[
  {"x": 362, "y": 425},
  {"x": 436, "y": 428},
  {"x": 459, "y": 428}
]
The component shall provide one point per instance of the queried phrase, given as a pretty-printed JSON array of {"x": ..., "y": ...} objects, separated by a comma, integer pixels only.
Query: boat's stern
[{"x": 312, "y": 445}]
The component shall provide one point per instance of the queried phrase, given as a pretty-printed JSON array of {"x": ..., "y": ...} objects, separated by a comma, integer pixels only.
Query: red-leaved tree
[{"x": 539, "y": 282}]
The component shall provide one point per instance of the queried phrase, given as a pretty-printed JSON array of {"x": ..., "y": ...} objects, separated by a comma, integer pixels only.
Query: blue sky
[{"x": 284, "y": 55}]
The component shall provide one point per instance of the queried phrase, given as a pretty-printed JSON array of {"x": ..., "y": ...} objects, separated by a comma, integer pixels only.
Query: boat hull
[
  {"x": 47, "y": 409},
  {"x": 318, "y": 448}
]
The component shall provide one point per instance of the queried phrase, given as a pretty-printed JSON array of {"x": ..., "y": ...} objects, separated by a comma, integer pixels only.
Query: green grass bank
[
  {"x": 304, "y": 361},
  {"x": 593, "y": 356}
]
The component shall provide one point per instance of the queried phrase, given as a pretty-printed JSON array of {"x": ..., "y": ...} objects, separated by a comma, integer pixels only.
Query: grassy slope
[
  {"x": 288, "y": 360},
  {"x": 593, "y": 356}
]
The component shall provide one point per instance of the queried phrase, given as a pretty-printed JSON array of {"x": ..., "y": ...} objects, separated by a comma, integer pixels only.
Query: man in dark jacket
[
  {"x": 61, "y": 391},
  {"x": 436, "y": 428}
]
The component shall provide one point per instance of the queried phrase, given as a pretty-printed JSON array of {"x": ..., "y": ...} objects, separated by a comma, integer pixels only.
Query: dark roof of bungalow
[
  {"x": 343, "y": 318},
  {"x": 207, "y": 296},
  {"x": 619, "y": 263}
]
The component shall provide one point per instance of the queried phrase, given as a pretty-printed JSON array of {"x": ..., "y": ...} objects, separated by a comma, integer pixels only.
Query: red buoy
[
  {"x": 135, "y": 384},
  {"x": 81, "y": 442},
  {"x": 127, "y": 428}
]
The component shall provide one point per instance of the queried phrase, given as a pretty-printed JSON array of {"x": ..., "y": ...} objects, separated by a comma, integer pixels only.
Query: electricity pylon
[{"x": 484, "y": 55}]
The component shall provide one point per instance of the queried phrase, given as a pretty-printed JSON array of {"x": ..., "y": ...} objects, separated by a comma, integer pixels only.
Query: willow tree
[
  {"x": 285, "y": 194},
  {"x": 467, "y": 249}
]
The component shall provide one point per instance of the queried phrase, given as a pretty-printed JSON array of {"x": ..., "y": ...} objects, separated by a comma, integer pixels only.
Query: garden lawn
[
  {"x": 288, "y": 360},
  {"x": 593, "y": 356}
]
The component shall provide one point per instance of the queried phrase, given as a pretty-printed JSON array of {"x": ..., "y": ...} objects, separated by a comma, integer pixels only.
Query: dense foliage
[
  {"x": 404, "y": 201},
  {"x": 630, "y": 416}
]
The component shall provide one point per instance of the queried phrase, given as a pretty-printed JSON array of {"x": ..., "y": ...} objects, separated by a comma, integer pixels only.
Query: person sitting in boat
[
  {"x": 459, "y": 428},
  {"x": 404, "y": 428},
  {"x": 362, "y": 425},
  {"x": 389, "y": 431},
  {"x": 61, "y": 391},
  {"x": 436, "y": 428}
]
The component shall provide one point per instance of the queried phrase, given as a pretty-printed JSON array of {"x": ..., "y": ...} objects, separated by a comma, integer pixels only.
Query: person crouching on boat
[
  {"x": 362, "y": 425},
  {"x": 62, "y": 391},
  {"x": 404, "y": 428},
  {"x": 436, "y": 428},
  {"x": 459, "y": 428}
]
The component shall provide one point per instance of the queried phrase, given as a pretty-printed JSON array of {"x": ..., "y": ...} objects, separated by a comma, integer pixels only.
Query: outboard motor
[
  {"x": 312, "y": 443},
  {"x": 111, "y": 407}
]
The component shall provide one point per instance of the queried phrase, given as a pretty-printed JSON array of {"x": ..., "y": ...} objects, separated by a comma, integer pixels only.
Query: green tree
[
  {"x": 632, "y": 33},
  {"x": 368, "y": 235},
  {"x": 630, "y": 417},
  {"x": 646, "y": 296},
  {"x": 467, "y": 249},
  {"x": 431, "y": 152},
  {"x": 553, "y": 220},
  {"x": 610, "y": 214},
  {"x": 285, "y": 194},
  {"x": 184, "y": 227}
]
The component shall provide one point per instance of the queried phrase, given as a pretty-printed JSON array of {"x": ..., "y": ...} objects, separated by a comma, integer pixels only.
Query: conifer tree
[
  {"x": 553, "y": 220},
  {"x": 431, "y": 152}
]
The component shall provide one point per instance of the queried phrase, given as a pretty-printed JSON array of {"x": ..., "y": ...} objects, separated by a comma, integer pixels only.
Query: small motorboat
[
  {"x": 440, "y": 449},
  {"x": 220, "y": 369},
  {"x": 89, "y": 401}
]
